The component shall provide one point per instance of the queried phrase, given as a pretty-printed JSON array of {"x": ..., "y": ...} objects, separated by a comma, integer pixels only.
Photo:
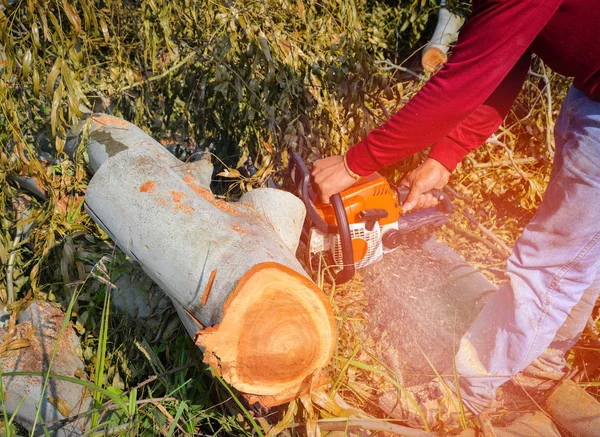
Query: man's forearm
[{"x": 490, "y": 45}]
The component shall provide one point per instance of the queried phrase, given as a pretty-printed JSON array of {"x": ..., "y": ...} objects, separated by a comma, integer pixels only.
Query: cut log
[
  {"x": 229, "y": 267},
  {"x": 29, "y": 347},
  {"x": 536, "y": 424},
  {"x": 444, "y": 35},
  {"x": 268, "y": 349},
  {"x": 574, "y": 409}
]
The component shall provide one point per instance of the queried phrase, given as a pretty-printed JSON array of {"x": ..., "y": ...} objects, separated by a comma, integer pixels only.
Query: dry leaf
[{"x": 62, "y": 407}]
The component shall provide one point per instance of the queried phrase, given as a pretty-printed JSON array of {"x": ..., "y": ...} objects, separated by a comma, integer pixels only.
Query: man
[{"x": 554, "y": 268}]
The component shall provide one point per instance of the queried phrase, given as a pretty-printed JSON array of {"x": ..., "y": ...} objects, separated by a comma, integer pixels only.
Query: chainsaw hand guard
[
  {"x": 348, "y": 269},
  {"x": 301, "y": 178}
]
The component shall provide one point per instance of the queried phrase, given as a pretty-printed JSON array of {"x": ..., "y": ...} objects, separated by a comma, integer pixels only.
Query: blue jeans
[{"x": 554, "y": 269}]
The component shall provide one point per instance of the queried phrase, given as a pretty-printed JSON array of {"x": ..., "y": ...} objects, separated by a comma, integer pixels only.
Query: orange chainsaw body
[
  {"x": 368, "y": 193},
  {"x": 361, "y": 223},
  {"x": 372, "y": 192}
]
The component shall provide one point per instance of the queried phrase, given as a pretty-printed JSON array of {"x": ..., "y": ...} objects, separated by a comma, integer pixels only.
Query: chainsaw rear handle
[{"x": 445, "y": 203}]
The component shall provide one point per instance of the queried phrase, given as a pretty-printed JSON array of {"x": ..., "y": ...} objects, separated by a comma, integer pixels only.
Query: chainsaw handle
[
  {"x": 301, "y": 178},
  {"x": 445, "y": 203}
]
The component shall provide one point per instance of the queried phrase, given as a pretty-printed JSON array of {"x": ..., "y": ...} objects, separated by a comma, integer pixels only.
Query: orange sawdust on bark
[
  {"x": 242, "y": 229},
  {"x": 148, "y": 187},
  {"x": 109, "y": 120},
  {"x": 33, "y": 357},
  {"x": 177, "y": 197},
  {"x": 208, "y": 195},
  {"x": 239, "y": 229},
  {"x": 209, "y": 285}
]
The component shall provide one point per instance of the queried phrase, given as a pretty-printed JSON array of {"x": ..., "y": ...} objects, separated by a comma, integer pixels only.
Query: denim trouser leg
[
  {"x": 553, "y": 358},
  {"x": 553, "y": 263}
]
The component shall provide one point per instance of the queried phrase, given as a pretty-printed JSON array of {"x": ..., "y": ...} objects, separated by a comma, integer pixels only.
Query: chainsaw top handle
[{"x": 301, "y": 178}]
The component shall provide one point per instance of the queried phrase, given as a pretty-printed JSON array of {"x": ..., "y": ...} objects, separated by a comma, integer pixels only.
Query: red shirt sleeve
[
  {"x": 488, "y": 48},
  {"x": 484, "y": 121}
]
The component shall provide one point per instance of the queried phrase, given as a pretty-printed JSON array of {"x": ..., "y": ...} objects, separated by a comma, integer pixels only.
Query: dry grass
[{"x": 244, "y": 80}]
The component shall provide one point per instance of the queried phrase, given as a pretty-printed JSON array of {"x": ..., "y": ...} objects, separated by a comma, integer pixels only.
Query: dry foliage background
[{"x": 250, "y": 81}]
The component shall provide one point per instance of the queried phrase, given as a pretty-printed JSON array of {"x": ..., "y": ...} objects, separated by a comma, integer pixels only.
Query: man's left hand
[
  {"x": 429, "y": 175},
  {"x": 330, "y": 177}
]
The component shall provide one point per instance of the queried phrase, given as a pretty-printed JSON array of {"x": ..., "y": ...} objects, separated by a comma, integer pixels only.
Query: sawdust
[
  {"x": 109, "y": 120},
  {"x": 36, "y": 356},
  {"x": 239, "y": 229},
  {"x": 208, "y": 195},
  {"x": 177, "y": 198},
  {"x": 204, "y": 192},
  {"x": 423, "y": 302},
  {"x": 148, "y": 187},
  {"x": 208, "y": 288},
  {"x": 145, "y": 161}
]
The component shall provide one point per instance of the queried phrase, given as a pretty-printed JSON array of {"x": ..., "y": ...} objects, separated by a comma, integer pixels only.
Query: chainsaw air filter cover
[{"x": 366, "y": 244}]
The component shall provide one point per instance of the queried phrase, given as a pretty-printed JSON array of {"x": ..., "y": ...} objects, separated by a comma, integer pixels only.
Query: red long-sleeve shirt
[{"x": 466, "y": 101}]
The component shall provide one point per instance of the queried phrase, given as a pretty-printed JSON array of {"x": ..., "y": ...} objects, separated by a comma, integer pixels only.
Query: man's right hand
[
  {"x": 330, "y": 176},
  {"x": 428, "y": 176}
]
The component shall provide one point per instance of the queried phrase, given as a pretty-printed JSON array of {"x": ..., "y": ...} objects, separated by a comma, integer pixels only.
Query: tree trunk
[
  {"x": 229, "y": 267},
  {"x": 445, "y": 33},
  {"x": 29, "y": 346}
]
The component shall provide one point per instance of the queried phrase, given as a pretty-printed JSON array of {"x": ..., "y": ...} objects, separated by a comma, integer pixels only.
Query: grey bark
[
  {"x": 23, "y": 394},
  {"x": 178, "y": 236}
]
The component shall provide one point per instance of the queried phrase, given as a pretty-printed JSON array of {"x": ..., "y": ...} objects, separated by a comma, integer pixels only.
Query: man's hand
[
  {"x": 429, "y": 175},
  {"x": 331, "y": 177}
]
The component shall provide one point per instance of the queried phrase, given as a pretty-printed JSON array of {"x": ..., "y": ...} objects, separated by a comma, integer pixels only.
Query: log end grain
[
  {"x": 276, "y": 335},
  {"x": 433, "y": 59}
]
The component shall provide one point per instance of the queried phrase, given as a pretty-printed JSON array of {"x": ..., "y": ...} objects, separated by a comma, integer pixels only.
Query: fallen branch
[
  {"x": 164, "y": 74},
  {"x": 506, "y": 251},
  {"x": 20, "y": 206},
  {"x": 370, "y": 425},
  {"x": 457, "y": 195},
  {"x": 487, "y": 232},
  {"x": 593, "y": 332},
  {"x": 108, "y": 406},
  {"x": 389, "y": 65},
  {"x": 481, "y": 240},
  {"x": 505, "y": 163},
  {"x": 495, "y": 141},
  {"x": 486, "y": 425},
  {"x": 10, "y": 269},
  {"x": 549, "y": 121}
]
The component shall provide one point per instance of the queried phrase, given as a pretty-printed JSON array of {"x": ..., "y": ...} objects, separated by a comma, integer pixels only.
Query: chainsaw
[{"x": 360, "y": 224}]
